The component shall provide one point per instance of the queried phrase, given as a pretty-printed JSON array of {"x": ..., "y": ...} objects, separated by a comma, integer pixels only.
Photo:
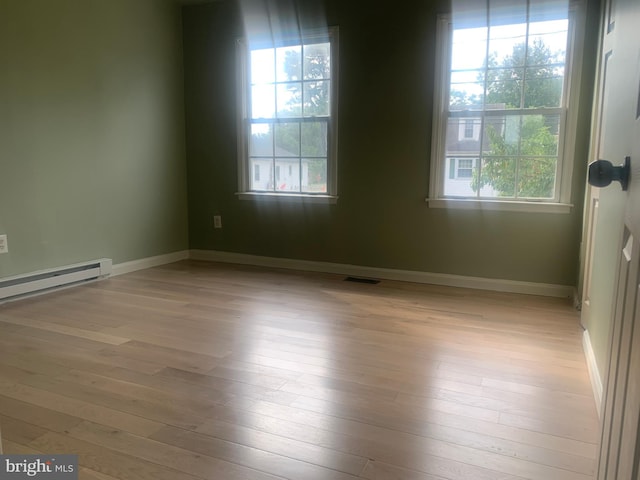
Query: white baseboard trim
[
  {"x": 142, "y": 263},
  {"x": 594, "y": 374},
  {"x": 511, "y": 286}
]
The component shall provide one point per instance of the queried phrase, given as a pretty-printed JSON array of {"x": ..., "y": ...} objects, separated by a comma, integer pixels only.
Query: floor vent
[
  {"x": 12, "y": 288},
  {"x": 362, "y": 280}
]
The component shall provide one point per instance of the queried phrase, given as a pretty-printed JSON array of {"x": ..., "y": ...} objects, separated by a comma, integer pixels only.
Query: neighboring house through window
[
  {"x": 503, "y": 109},
  {"x": 288, "y": 115}
]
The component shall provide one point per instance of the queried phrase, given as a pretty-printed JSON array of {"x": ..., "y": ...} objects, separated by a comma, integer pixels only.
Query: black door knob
[{"x": 602, "y": 173}]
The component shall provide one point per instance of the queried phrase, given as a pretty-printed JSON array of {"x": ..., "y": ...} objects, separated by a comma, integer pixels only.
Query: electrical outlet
[
  {"x": 4, "y": 246},
  {"x": 217, "y": 221}
]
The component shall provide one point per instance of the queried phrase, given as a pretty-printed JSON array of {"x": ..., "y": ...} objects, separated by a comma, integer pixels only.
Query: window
[
  {"x": 464, "y": 168},
  {"x": 288, "y": 115},
  {"x": 256, "y": 172},
  {"x": 503, "y": 102},
  {"x": 468, "y": 128}
]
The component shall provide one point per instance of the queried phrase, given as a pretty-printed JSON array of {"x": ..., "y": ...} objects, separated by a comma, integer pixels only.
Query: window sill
[
  {"x": 500, "y": 205},
  {"x": 287, "y": 197}
]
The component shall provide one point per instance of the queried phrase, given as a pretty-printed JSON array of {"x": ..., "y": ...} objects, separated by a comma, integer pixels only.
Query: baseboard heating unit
[{"x": 19, "y": 286}]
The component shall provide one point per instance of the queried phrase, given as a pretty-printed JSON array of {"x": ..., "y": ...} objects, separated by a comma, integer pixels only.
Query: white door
[{"x": 620, "y": 130}]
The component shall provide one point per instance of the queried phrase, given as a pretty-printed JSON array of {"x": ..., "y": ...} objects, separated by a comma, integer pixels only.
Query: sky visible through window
[
  {"x": 469, "y": 49},
  {"x": 265, "y": 71},
  {"x": 272, "y": 79}
]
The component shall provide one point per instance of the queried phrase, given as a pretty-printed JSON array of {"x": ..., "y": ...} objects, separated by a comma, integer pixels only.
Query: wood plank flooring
[{"x": 199, "y": 370}]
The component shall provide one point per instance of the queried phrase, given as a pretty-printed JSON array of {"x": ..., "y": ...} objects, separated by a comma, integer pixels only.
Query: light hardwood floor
[{"x": 206, "y": 371}]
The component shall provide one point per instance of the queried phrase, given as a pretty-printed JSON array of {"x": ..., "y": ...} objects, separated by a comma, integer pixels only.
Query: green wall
[
  {"x": 381, "y": 218},
  {"x": 92, "y": 149},
  {"x": 92, "y": 146}
]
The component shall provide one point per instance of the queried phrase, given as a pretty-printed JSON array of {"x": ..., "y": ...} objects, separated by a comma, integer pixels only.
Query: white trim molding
[
  {"x": 142, "y": 263},
  {"x": 287, "y": 197},
  {"x": 594, "y": 373},
  {"x": 495, "y": 205},
  {"x": 500, "y": 285},
  {"x": 479, "y": 283}
]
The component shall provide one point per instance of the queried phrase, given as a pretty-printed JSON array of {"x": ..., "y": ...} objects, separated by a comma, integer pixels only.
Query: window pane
[
  {"x": 467, "y": 96},
  {"x": 502, "y": 135},
  {"x": 469, "y": 48},
  {"x": 261, "y": 142},
  {"x": 289, "y": 63},
  {"x": 467, "y": 89},
  {"x": 289, "y": 100},
  {"x": 553, "y": 35},
  {"x": 498, "y": 177},
  {"x": 540, "y": 135},
  {"x": 317, "y": 61},
  {"x": 314, "y": 139},
  {"x": 316, "y": 98},
  {"x": 521, "y": 135},
  {"x": 504, "y": 88},
  {"x": 289, "y": 174},
  {"x": 536, "y": 177},
  {"x": 263, "y": 101},
  {"x": 543, "y": 87},
  {"x": 469, "y": 130},
  {"x": 461, "y": 177},
  {"x": 456, "y": 142},
  {"x": 507, "y": 43},
  {"x": 314, "y": 175},
  {"x": 262, "y": 66},
  {"x": 262, "y": 169},
  {"x": 287, "y": 139}
]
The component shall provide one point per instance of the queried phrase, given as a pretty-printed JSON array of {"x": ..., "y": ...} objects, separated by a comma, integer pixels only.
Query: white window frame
[
  {"x": 243, "y": 49},
  {"x": 561, "y": 202}
]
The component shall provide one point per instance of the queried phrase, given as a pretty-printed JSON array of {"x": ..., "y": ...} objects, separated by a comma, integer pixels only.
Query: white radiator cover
[{"x": 44, "y": 280}]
